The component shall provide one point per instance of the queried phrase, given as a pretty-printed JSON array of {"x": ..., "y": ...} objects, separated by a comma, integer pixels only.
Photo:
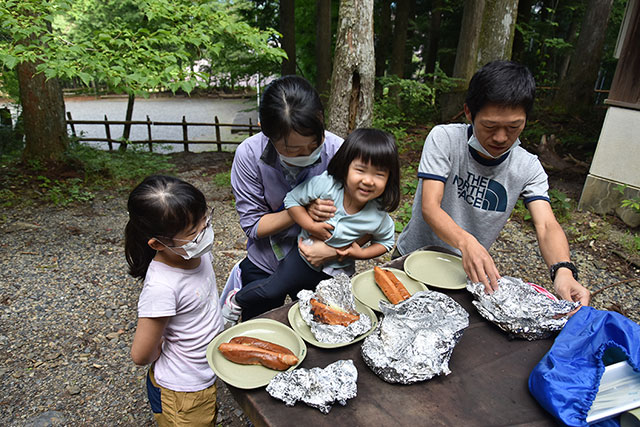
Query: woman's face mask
[{"x": 303, "y": 161}]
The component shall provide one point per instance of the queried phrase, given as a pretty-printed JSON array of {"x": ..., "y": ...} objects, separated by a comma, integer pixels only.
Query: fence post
[
  {"x": 149, "y": 133},
  {"x": 108, "y": 132},
  {"x": 185, "y": 134},
  {"x": 73, "y": 127},
  {"x": 218, "y": 140}
]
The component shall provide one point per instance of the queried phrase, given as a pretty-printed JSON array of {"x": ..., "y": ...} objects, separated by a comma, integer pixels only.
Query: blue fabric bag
[{"x": 565, "y": 382}]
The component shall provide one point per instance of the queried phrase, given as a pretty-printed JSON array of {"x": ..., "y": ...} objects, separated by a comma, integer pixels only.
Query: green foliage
[
  {"x": 130, "y": 45},
  {"x": 561, "y": 204},
  {"x": 631, "y": 242},
  {"x": 403, "y": 215},
  {"x": 521, "y": 211},
  {"x": 632, "y": 203},
  {"x": 62, "y": 193},
  {"x": 222, "y": 179},
  {"x": 407, "y": 102},
  {"x": 104, "y": 168}
]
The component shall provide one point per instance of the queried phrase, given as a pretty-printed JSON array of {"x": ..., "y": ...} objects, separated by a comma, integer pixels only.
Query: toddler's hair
[
  {"x": 371, "y": 146},
  {"x": 159, "y": 206}
]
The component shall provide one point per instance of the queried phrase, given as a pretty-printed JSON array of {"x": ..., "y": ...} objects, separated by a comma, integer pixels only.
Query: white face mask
[
  {"x": 475, "y": 144},
  {"x": 193, "y": 249},
  {"x": 303, "y": 161}
]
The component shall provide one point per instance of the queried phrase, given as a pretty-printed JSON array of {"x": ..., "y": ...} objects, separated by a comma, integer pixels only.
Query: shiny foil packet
[
  {"x": 317, "y": 387},
  {"x": 335, "y": 292},
  {"x": 416, "y": 337},
  {"x": 522, "y": 310}
]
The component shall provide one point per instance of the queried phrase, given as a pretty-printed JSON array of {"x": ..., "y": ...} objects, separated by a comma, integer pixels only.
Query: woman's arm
[{"x": 147, "y": 342}]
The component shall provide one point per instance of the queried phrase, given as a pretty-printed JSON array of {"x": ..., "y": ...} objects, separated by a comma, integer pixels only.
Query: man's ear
[
  {"x": 467, "y": 113},
  {"x": 155, "y": 244}
]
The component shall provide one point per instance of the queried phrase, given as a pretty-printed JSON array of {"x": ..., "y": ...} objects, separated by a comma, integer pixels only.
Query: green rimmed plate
[
  {"x": 436, "y": 269},
  {"x": 253, "y": 376},
  {"x": 299, "y": 325},
  {"x": 368, "y": 292}
]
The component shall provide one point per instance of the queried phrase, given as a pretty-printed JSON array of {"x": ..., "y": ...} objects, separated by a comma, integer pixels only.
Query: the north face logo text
[{"x": 481, "y": 192}]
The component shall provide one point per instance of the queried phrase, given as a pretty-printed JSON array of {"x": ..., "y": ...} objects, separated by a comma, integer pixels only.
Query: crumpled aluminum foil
[
  {"x": 335, "y": 291},
  {"x": 317, "y": 387},
  {"x": 520, "y": 310},
  {"x": 416, "y": 337}
]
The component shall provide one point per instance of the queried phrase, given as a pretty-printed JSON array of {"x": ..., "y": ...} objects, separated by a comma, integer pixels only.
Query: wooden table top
[{"x": 487, "y": 384}]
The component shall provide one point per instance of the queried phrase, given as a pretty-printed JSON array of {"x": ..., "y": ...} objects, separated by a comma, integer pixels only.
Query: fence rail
[{"x": 250, "y": 128}]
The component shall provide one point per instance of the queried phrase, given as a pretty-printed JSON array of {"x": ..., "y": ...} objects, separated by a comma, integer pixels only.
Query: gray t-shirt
[{"x": 479, "y": 194}]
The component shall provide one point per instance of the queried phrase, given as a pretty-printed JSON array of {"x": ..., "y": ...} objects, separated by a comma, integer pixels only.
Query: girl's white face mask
[
  {"x": 303, "y": 161},
  {"x": 475, "y": 144},
  {"x": 195, "y": 249}
]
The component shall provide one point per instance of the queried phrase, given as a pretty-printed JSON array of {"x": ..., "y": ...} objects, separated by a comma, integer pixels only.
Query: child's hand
[
  {"x": 321, "y": 230},
  {"x": 352, "y": 251}
]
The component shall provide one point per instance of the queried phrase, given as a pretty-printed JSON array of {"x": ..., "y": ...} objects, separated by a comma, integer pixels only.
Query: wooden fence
[{"x": 250, "y": 128}]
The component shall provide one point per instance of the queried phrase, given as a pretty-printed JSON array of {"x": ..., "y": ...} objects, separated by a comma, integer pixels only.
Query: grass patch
[
  {"x": 83, "y": 172},
  {"x": 222, "y": 179}
]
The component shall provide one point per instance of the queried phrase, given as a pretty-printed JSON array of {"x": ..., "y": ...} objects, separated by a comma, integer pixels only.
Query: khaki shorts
[{"x": 181, "y": 408}]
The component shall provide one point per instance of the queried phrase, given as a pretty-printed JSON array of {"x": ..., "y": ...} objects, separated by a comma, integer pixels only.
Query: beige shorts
[{"x": 181, "y": 408}]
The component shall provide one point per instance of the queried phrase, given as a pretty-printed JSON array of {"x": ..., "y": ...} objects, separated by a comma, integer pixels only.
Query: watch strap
[{"x": 571, "y": 266}]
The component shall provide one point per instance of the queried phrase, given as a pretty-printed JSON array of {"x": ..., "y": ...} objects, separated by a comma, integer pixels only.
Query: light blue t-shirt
[{"x": 346, "y": 228}]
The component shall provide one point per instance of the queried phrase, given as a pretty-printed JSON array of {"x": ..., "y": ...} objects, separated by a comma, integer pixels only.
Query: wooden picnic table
[{"x": 487, "y": 385}]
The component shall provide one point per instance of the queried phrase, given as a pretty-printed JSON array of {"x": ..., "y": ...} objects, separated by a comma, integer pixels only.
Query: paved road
[{"x": 165, "y": 110}]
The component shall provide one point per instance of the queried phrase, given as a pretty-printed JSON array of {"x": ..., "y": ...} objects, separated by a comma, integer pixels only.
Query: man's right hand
[
  {"x": 321, "y": 210},
  {"x": 479, "y": 265}
]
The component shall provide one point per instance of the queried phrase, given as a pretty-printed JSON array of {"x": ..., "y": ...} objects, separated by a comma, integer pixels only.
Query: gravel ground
[{"x": 68, "y": 307}]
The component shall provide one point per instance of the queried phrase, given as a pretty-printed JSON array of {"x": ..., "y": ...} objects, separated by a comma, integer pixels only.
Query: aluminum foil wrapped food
[
  {"x": 317, "y": 387},
  {"x": 416, "y": 337},
  {"x": 523, "y": 310},
  {"x": 334, "y": 292}
]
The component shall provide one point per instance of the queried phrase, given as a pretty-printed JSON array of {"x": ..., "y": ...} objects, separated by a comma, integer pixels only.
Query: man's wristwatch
[{"x": 571, "y": 266}]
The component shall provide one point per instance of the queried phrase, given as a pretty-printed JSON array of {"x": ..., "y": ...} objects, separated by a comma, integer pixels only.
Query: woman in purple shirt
[{"x": 292, "y": 147}]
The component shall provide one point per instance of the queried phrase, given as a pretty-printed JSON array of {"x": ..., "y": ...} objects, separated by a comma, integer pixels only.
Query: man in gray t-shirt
[{"x": 472, "y": 175}]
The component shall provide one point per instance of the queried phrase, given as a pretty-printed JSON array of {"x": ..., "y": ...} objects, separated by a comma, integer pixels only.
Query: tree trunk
[
  {"x": 352, "y": 80},
  {"x": 45, "y": 127},
  {"x": 466, "y": 55},
  {"x": 383, "y": 42},
  {"x": 399, "y": 47},
  {"x": 566, "y": 59},
  {"x": 288, "y": 31},
  {"x": 576, "y": 90},
  {"x": 498, "y": 28},
  {"x": 434, "y": 36},
  {"x": 486, "y": 35},
  {"x": 126, "y": 132},
  {"x": 524, "y": 17},
  {"x": 323, "y": 48}
]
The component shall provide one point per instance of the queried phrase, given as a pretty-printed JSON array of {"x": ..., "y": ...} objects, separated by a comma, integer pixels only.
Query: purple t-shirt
[{"x": 259, "y": 185}]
